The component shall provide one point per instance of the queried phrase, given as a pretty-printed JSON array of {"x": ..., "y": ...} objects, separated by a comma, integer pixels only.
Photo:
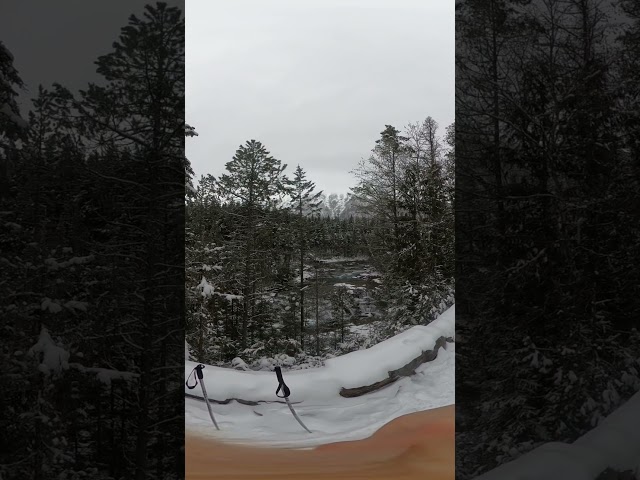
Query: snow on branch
[{"x": 54, "y": 359}]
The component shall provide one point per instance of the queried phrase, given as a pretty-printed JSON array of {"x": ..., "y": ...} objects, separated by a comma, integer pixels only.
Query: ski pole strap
[
  {"x": 281, "y": 385},
  {"x": 197, "y": 371}
]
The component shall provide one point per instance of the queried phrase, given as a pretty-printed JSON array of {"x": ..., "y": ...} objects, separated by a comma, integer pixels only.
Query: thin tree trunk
[
  {"x": 342, "y": 306},
  {"x": 395, "y": 201},
  {"x": 317, "y": 315},
  {"x": 246, "y": 292},
  {"x": 201, "y": 337},
  {"x": 497, "y": 160},
  {"x": 302, "y": 248},
  {"x": 247, "y": 271},
  {"x": 142, "y": 439},
  {"x": 112, "y": 432}
]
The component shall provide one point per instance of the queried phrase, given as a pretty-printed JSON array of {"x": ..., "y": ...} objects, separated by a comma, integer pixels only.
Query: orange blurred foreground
[{"x": 418, "y": 446}]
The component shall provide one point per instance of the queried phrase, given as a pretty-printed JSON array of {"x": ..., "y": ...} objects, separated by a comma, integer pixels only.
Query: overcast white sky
[{"x": 315, "y": 80}]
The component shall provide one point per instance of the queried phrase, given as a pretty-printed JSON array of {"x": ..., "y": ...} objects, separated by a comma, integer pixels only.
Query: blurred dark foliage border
[
  {"x": 92, "y": 265},
  {"x": 547, "y": 222}
]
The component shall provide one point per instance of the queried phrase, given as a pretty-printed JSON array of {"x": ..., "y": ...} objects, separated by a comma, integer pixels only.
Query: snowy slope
[
  {"x": 355, "y": 369},
  {"x": 315, "y": 393},
  {"x": 615, "y": 443}
]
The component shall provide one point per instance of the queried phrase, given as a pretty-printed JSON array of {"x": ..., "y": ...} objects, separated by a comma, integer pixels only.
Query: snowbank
[
  {"x": 615, "y": 443},
  {"x": 352, "y": 370},
  {"x": 339, "y": 419}
]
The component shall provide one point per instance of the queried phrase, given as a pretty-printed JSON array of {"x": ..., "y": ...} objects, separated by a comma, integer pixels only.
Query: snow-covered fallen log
[
  {"x": 404, "y": 371},
  {"x": 400, "y": 354},
  {"x": 615, "y": 443}
]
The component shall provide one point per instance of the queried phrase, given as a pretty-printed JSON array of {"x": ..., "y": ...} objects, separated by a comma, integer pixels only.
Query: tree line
[{"x": 255, "y": 236}]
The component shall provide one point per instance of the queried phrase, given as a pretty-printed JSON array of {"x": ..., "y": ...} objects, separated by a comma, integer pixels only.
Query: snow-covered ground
[
  {"x": 614, "y": 443},
  {"x": 315, "y": 393},
  {"x": 343, "y": 259}
]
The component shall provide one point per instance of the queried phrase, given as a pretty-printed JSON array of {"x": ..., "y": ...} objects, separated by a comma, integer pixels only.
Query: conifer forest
[
  {"x": 118, "y": 261},
  {"x": 279, "y": 273}
]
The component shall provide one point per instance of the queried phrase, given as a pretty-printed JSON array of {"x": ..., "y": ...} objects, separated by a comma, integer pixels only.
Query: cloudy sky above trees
[
  {"x": 314, "y": 81},
  {"x": 60, "y": 41}
]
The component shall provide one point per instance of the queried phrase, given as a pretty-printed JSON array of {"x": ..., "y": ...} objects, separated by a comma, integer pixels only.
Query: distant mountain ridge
[{"x": 340, "y": 205}]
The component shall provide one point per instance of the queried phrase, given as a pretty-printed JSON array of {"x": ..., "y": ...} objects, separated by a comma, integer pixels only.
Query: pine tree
[
  {"x": 12, "y": 125},
  {"x": 138, "y": 116},
  {"x": 306, "y": 203},
  {"x": 255, "y": 182},
  {"x": 378, "y": 183}
]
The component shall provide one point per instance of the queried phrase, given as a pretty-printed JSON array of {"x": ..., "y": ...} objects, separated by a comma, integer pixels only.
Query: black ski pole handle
[
  {"x": 197, "y": 371},
  {"x": 281, "y": 385}
]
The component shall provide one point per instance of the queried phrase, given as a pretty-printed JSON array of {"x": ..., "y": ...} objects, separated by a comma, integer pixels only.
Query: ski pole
[
  {"x": 198, "y": 372},
  {"x": 285, "y": 394}
]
